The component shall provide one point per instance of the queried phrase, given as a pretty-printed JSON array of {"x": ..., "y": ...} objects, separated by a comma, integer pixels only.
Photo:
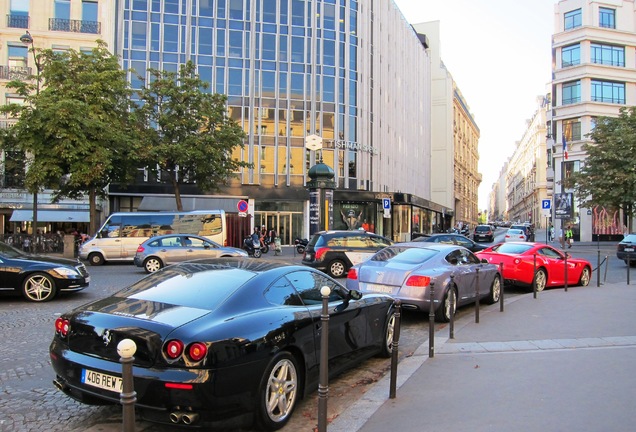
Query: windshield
[
  {"x": 511, "y": 248},
  {"x": 9, "y": 251}
]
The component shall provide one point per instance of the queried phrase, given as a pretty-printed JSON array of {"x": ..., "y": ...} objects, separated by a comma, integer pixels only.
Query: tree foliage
[
  {"x": 187, "y": 133},
  {"x": 76, "y": 131},
  {"x": 608, "y": 177}
]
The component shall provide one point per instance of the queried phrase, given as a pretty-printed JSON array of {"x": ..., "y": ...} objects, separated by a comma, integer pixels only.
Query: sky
[{"x": 499, "y": 54}]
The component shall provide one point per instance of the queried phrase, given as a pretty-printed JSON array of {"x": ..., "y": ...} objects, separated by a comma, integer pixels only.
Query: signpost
[
  {"x": 242, "y": 208},
  {"x": 546, "y": 208}
]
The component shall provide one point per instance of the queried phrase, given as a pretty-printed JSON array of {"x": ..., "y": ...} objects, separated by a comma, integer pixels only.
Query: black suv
[
  {"x": 484, "y": 233},
  {"x": 334, "y": 252}
]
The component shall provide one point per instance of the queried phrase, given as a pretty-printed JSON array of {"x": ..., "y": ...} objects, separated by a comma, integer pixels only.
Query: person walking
[
  {"x": 562, "y": 237},
  {"x": 551, "y": 233},
  {"x": 569, "y": 236}
]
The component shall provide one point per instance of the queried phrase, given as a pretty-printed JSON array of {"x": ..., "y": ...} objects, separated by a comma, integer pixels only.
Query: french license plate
[
  {"x": 629, "y": 249},
  {"x": 380, "y": 288},
  {"x": 102, "y": 381}
]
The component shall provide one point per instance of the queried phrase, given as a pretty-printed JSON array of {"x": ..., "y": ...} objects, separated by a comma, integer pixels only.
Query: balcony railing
[
  {"x": 14, "y": 72},
  {"x": 18, "y": 21},
  {"x": 76, "y": 26}
]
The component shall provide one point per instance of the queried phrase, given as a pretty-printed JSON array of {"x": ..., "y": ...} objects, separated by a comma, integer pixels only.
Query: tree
[
  {"x": 608, "y": 177},
  {"x": 78, "y": 129},
  {"x": 188, "y": 134}
]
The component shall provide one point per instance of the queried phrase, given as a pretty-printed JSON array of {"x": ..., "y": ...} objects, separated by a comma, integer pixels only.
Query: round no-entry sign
[{"x": 242, "y": 206}]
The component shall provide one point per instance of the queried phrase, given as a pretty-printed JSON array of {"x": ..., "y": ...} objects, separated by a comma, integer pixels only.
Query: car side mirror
[
  {"x": 484, "y": 261},
  {"x": 355, "y": 294}
]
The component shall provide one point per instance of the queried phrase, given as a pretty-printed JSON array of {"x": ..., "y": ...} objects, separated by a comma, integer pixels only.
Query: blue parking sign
[
  {"x": 546, "y": 204},
  {"x": 386, "y": 203}
]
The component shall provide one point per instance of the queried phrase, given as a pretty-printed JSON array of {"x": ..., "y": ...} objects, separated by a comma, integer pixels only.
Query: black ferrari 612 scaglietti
[{"x": 218, "y": 338}]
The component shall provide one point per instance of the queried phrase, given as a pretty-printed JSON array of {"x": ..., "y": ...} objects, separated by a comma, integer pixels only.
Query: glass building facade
[{"x": 353, "y": 73}]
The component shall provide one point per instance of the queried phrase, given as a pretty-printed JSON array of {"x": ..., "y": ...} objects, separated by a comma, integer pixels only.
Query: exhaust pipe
[
  {"x": 60, "y": 385},
  {"x": 190, "y": 418},
  {"x": 175, "y": 417}
]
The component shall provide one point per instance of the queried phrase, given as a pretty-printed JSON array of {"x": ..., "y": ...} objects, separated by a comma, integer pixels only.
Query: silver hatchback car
[{"x": 160, "y": 251}]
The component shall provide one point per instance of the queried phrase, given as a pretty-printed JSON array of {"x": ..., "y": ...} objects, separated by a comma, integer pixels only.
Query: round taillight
[
  {"x": 61, "y": 326},
  {"x": 174, "y": 348},
  {"x": 517, "y": 261},
  {"x": 197, "y": 351}
]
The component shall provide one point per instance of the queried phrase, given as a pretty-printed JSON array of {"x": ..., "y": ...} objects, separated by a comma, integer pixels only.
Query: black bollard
[
  {"x": 126, "y": 350},
  {"x": 477, "y": 296},
  {"x": 431, "y": 322},
  {"x": 534, "y": 279},
  {"x": 566, "y": 272},
  {"x": 394, "y": 348},
  {"x": 451, "y": 324},
  {"x": 501, "y": 295},
  {"x": 629, "y": 264},
  {"x": 323, "y": 379},
  {"x": 598, "y": 269}
]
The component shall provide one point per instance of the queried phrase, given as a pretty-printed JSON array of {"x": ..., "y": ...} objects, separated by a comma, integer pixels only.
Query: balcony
[
  {"x": 18, "y": 21},
  {"x": 76, "y": 26},
  {"x": 11, "y": 73}
]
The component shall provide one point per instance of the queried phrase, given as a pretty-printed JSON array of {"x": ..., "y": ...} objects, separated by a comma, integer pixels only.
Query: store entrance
[{"x": 288, "y": 225}]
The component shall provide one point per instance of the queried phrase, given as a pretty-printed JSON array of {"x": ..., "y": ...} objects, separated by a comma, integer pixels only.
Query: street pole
[{"x": 27, "y": 39}]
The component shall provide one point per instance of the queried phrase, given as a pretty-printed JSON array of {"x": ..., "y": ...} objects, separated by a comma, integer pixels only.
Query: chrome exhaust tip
[
  {"x": 190, "y": 418},
  {"x": 175, "y": 417},
  {"x": 60, "y": 385}
]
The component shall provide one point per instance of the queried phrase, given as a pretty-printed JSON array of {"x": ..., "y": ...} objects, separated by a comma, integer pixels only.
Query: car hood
[
  {"x": 97, "y": 328},
  {"x": 54, "y": 261}
]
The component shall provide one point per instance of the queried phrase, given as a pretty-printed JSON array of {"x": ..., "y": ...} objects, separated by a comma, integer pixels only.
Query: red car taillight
[
  {"x": 352, "y": 274},
  {"x": 62, "y": 326},
  {"x": 320, "y": 253},
  {"x": 418, "y": 281},
  {"x": 516, "y": 261},
  {"x": 174, "y": 348},
  {"x": 196, "y": 351},
  {"x": 140, "y": 249}
]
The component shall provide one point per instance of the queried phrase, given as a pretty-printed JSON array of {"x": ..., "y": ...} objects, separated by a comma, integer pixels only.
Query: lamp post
[{"x": 27, "y": 39}]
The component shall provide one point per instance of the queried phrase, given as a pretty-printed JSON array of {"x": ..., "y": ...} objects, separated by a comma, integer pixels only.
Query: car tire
[
  {"x": 443, "y": 312},
  {"x": 584, "y": 280},
  {"x": 337, "y": 268},
  {"x": 39, "y": 287},
  {"x": 300, "y": 249},
  {"x": 278, "y": 392},
  {"x": 495, "y": 291},
  {"x": 389, "y": 331},
  {"x": 540, "y": 279},
  {"x": 95, "y": 259},
  {"x": 152, "y": 264}
]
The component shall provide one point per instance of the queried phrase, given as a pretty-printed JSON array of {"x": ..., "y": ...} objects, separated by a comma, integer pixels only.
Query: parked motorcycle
[
  {"x": 253, "y": 248},
  {"x": 300, "y": 244}
]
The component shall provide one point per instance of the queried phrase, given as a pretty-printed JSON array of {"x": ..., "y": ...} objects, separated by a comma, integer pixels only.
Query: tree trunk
[
  {"x": 92, "y": 203},
  {"x": 177, "y": 192}
]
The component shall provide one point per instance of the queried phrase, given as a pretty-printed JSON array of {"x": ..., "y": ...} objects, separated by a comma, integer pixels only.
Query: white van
[{"x": 122, "y": 233}]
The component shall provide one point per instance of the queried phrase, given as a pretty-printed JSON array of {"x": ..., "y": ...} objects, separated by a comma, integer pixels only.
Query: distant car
[
  {"x": 217, "y": 339},
  {"x": 626, "y": 249},
  {"x": 520, "y": 267},
  {"x": 406, "y": 271},
  {"x": 334, "y": 252},
  {"x": 450, "y": 238},
  {"x": 39, "y": 278},
  {"x": 526, "y": 228},
  {"x": 484, "y": 233},
  {"x": 514, "y": 234},
  {"x": 160, "y": 251}
]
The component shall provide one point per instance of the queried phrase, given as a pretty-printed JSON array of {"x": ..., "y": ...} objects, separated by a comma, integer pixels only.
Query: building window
[
  {"x": 572, "y": 19},
  {"x": 607, "y": 91},
  {"x": 19, "y": 14},
  {"x": 571, "y": 55},
  {"x": 606, "y": 18},
  {"x": 571, "y": 92},
  {"x": 608, "y": 54},
  {"x": 572, "y": 129}
]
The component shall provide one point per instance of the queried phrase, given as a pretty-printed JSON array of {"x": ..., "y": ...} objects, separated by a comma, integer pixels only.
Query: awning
[
  {"x": 168, "y": 203},
  {"x": 51, "y": 216}
]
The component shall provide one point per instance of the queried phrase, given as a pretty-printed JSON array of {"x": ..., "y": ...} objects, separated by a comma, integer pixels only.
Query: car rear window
[
  {"x": 202, "y": 289},
  {"x": 404, "y": 255},
  {"x": 513, "y": 248},
  {"x": 482, "y": 228},
  {"x": 629, "y": 238}
]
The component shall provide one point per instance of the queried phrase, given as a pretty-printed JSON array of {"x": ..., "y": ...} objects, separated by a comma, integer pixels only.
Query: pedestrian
[
  {"x": 562, "y": 237},
  {"x": 569, "y": 236},
  {"x": 551, "y": 233}
]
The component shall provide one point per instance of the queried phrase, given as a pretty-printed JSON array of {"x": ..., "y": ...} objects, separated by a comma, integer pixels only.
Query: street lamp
[{"x": 27, "y": 39}]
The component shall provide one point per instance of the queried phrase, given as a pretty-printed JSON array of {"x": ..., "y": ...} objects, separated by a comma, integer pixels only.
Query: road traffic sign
[
  {"x": 386, "y": 203},
  {"x": 546, "y": 204}
]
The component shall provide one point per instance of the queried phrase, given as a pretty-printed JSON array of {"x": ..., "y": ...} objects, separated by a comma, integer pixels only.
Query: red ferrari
[{"x": 518, "y": 260}]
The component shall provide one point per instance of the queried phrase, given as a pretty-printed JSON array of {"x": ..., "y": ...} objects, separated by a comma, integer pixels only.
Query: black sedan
[
  {"x": 454, "y": 239},
  {"x": 626, "y": 249},
  {"x": 218, "y": 338},
  {"x": 39, "y": 278}
]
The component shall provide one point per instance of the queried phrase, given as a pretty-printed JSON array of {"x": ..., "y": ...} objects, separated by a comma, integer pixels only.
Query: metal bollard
[
  {"x": 394, "y": 348},
  {"x": 477, "y": 296},
  {"x": 431, "y": 322},
  {"x": 566, "y": 272},
  {"x": 451, "y": 324},
  {"x": 629, "y": 265},
  {"x": 534, "y": 279},
  {"x": 323, "y": 381},
  {"x": 598, "y": 269},
  {"x": 126, "y": 350},
  {"x": 501, "y": 296}
]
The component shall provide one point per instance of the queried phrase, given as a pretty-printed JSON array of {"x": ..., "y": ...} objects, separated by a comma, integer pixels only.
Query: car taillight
[
  {"x": 418, "y": 281},
  {"x": 174, "y": 348},
  {"x": 140, "y": 249},
  {"x": 197, "y": 351},
  {"x": 320, "y": 253},
  {"x": 516, "y": 261},
  {"x": 352, "y": 274},
  {"x": 62, "y": 326}
]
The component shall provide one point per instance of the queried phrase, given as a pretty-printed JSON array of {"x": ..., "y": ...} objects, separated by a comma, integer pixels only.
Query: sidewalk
[{"x": 561, "y": 362}]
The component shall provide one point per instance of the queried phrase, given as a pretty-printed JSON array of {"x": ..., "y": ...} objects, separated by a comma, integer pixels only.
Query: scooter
[
  {"x": 253, "y": 248},
  {"x": 300, "y": 244}
]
